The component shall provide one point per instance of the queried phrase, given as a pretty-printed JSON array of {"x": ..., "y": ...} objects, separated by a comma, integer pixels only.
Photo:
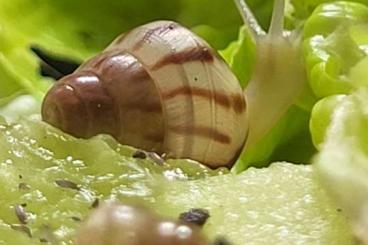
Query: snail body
[{"x": 160, "y": 88}]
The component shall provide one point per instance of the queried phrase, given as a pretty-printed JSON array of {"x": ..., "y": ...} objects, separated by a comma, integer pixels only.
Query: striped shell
[{"x": 160, "y": 88}]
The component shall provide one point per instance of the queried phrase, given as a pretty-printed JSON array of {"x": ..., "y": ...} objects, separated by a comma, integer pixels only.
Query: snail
[
  {"x": 162, "y": 88},
  {"x": 112, "y": 224}
]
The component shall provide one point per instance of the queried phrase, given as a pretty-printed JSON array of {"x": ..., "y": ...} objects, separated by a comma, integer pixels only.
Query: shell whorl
[{"x": 163, "y": 89}]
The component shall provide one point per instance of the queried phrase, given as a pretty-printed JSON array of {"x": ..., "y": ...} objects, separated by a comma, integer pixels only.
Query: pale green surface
[
  {"x": 101, "y": 167},
  {"x": 258, "y": 205},
  {"x": 281, "y": 204},
  {"x": 321, "y": 117},
  {"x": 343, "y": 160}
]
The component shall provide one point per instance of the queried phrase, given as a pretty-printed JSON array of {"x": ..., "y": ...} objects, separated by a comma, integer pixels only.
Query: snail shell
[
  {"x": 160, "y": 88},
  {"x": 115, "y": 224}
]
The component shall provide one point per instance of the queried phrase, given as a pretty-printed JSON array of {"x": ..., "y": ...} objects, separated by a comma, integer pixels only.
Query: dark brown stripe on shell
[
  {"x": 147, "y": 108},
  {"x": 202, "y": 131},
  {"x": 235, "y": 101},
  {"x": 155, "y": 31},
  {"x": 154, "y": 137},
  {"x": 198, "y": 53}
]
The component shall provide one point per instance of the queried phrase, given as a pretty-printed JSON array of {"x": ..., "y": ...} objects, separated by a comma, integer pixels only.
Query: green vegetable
[
  {"x": 321, "y": 117},
  {"x": 302, "y": 9},
  {"x": 18, "y": 68},
  {"x": 241, "y": 56},
  {"x": 44, "y": 168},
  {"x": 332, "y": 46},
  {"x": 283, "y": 202},
  {"x": 343, "y": 159},
  {"x": 80, "y": 29},
  {"x": 288, "y": 140},
  {"x": 36, "y": 159}
]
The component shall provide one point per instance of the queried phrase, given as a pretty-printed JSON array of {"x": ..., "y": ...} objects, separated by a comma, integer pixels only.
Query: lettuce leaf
[
  {"x": 289, "y": 140},
  {"x": 18, "y": 68},
  {"x": 80, "y": 29},
  {"x": 281, "y": 203},
  {"x": 241, "y": 55},
  {"x": 321, "y": 117},
  {"x": 303, "y": 9},
  {"x": 343, "y": 158},
  {"x": 333, "y": 46}
]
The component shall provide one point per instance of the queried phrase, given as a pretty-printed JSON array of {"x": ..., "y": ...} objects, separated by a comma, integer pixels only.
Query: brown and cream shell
[{"x": 160, "y": 88}]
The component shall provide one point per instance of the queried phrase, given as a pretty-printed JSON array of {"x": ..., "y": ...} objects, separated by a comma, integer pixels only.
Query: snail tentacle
[
  {"x": 278, "y": 77},
  {"x": 249, "y": 20}
]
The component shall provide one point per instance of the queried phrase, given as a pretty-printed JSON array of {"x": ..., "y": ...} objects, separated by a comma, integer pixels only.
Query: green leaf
[
  {"x": 18, "y": 67},
  {"x": 333, "y": 45},
  {"x": 288, "y": 140},
  {"x": 82, "y": 28},
  {"x": 343, "y": 159},
  {"x": 321, "y": 117},
  {"x": 281, "y": 204},
  {"x": 21, "y": 106},
  {"x": 303, "y": 9},
  {"x": 241, "y": 55},
  {"x": 358, "y": 73}
]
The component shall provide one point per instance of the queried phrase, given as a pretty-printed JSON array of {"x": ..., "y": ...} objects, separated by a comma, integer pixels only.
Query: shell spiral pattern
[{"x": 158, "y": 87}]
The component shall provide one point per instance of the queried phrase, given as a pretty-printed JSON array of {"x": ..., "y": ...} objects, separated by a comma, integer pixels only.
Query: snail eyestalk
[
  {"x": 277, "y": 80},
  {"x": 277, "y": 22},
  {"x": 249, "y": 20}
]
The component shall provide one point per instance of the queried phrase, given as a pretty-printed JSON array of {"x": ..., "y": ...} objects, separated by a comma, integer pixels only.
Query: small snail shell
[
  {"x": 160, "y": 88},
  {"x": 116, "y": 224}
]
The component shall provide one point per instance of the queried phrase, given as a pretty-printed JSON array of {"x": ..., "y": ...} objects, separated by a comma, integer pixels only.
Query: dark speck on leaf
[
  {"x": 67, "y": 184},
  {"x": 43, "y": 240},
  {"x": 196, "y": 216},
  {"x": 95, "y": 203},
  {"x": 24, "y": 186},
  {"x": 221, "y": 241},
  {"x": 22, "y": 228},
  {"x": 85, "y": 35},
  {"x": 77, "y": 219},
  {"x": 139, "y": 154}
]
